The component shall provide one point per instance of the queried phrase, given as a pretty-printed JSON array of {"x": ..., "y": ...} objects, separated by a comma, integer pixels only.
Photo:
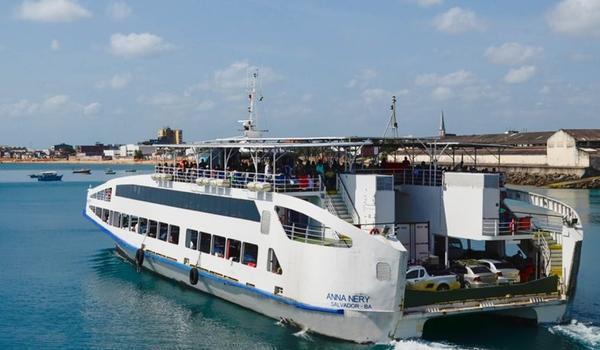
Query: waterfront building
[
  {"x": 566, "y": 151},
  {"x": 91, "y": 150},
  {"x": 167, "y": 135}
]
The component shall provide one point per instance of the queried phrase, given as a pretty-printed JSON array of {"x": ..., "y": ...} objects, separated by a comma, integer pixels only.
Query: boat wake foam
[
  {"x": 303, "y": 333},
  {"x": 584, "y": 333},
  {"x": 423, "y": 345}
]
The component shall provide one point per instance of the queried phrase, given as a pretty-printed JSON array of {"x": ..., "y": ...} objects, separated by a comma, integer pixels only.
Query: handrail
[
  {"x": 494, "y": 227},
  {"x": 302, "y": 233},
  {"x": 239, "y": 179},
  {"x": 410, "y": 176},
  {"x": 545, "y": 253},
  {"x": 346, "y": 194},
  {"x": 541, "y": 201}
]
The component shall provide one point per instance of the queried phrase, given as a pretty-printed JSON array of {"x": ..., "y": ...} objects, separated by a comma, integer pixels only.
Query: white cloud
[
  {"x": 176, "y": 102},
  {"x": 362, "y": 78},
  {"x": 92, "y": 109},
  {"x": 52, "y": 11},
  {"x": 576, "y": 17},
  {"x": 461, "y": 84},
  {"x": 233, "y": 79},
  {"x": 428, "y": 3},
  {"x": 460, "y": 77},
  {"x": 55, "y": 105},
  {"x": 55, "y": 102},
  {"x": 135, "y": 45},
  {"x": 55, "y": 45},
  {"x": 20, "y": 108},
  {"x": 441, "y": 93},
  {"x": 119, "y": 10},
  {"x": 118, "y": 81},
  {"x": 457, "y": 20},
  {"x": 378, "y": 95},
  {"x": 511, "y": 53},
  {"x": 520, "y": 75}
]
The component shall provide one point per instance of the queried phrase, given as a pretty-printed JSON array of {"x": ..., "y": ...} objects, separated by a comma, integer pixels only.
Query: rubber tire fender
[
  {"x": 139, "y": 257},
  {"x": 193, "y": 276}
]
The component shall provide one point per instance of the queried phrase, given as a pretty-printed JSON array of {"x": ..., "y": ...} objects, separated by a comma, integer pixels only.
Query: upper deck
[{"x": 239, "y": 179}]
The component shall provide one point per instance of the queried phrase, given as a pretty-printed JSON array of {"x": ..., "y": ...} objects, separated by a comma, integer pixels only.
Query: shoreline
[{"x": 78, "y": 161}]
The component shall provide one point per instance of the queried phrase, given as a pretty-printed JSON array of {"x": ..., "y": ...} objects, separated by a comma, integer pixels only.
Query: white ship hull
[{"x": 361, "y": 327}]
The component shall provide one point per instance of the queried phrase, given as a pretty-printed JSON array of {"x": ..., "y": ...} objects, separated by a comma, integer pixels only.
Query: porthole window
[{"x": 383, "y": 271}]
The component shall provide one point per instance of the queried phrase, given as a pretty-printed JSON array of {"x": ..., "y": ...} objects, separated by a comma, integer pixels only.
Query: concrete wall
[
  {"x": 420, "y": 204},
  {"x": 484, "y": 159},
  {"x": 562, "y": 151},
  {"x": 373, "y": 206},
  {"x": 456, "y": 209}
]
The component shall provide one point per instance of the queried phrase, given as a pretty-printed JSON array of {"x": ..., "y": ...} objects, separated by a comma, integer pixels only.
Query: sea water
[{"x": 63, "y": 287}]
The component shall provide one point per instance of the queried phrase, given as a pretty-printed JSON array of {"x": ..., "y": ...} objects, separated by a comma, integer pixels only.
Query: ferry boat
[
  {"x": 325, "y": 247},
  {"x": 49, "y": 176}
]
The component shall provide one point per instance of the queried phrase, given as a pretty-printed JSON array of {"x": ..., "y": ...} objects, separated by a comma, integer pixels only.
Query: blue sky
[{"x": 115, "y": 71}]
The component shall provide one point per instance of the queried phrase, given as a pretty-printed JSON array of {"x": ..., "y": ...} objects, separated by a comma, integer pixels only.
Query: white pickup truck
[{"x": 417, "y": 278}]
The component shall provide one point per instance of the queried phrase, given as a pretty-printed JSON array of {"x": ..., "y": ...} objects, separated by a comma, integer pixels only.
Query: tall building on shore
[
  {"x": 167, "y": 135},
  {"x": 178, "y": 136}
]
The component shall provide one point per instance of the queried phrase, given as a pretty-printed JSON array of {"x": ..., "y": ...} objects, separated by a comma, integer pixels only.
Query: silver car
[
  {"x": 505, "y": 271},
  {"x": 475, "y": 275}
]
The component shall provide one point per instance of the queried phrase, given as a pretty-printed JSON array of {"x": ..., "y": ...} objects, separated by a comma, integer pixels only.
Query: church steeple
[{"x": 442, "y": 126}]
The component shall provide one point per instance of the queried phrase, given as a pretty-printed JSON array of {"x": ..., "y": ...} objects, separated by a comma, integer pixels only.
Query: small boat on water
[
  {"x": 34, "y": 176},
  {"x": 110, "y": 172},
  {"x": 49, "y": 176},
  {"x": 82, "y": 171},
  {"x": 130, "y": 170}
]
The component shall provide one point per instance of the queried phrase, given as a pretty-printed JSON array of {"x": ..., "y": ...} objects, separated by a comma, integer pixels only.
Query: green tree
[{"x": 138, "y": 155}]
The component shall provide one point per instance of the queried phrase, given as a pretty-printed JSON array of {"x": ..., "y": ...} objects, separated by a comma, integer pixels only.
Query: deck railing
[
  {"x": 239, "y": 179},
  {"x": 524, "y": 226},
  {"x": 316, "y": 235},
  {"x": 494, "y": 227},
  {"x": 409, "y": 176},
  {"x": 568, "y": 214},
  {"x": 552, "y": 223}
]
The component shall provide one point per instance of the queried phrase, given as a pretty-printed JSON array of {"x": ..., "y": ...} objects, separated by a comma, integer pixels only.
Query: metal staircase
[
  {"x": 336, "y": 206},
  {"x": 551, "y": 253}
]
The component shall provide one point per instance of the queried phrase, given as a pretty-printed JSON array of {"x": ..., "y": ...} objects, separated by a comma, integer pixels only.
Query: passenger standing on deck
[
  {"x": 406, "y": 163},
  {"x": 320, "y": 168},
  {"x": 330, "y": 178}
]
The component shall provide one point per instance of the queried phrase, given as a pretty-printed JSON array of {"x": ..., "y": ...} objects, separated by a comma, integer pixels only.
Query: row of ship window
[{"x": 227, "y": 248}]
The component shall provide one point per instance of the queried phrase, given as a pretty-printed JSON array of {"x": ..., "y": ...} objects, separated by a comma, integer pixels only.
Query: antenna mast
[
  {"x": 252, "y": 117},
  {"x": 392, "y": 123},
  {"x": 250, "y": 124}
]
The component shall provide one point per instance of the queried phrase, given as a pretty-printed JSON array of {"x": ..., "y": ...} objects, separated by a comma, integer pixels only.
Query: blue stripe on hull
[{"x": 185, "y": 268}]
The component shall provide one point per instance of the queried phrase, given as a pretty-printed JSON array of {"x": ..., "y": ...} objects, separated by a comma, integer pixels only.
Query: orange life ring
[{"x": 374, "y": 231}]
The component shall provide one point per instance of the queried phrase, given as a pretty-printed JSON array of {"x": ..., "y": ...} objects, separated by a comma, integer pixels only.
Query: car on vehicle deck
[
  {"x": 418, "y": 278},
  {"x": 474, "y": 275},
  {"x": 506, "y": 272}
]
